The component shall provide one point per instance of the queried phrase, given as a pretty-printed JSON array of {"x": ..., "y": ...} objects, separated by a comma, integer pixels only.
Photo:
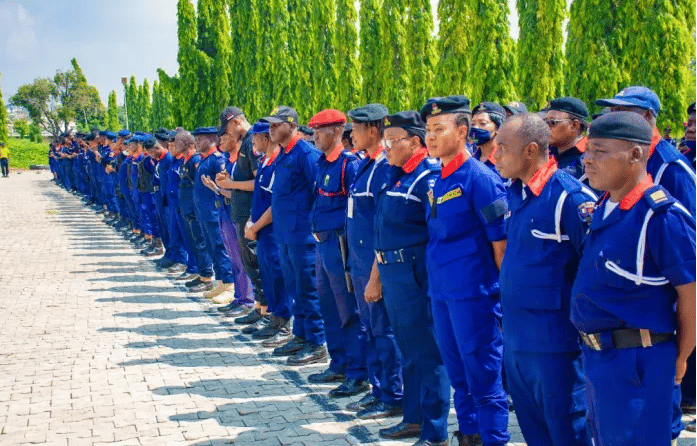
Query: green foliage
[
  {"x": 303, "y": 33},
  {"x": 21, "y": 126},
  {"x": 348, "y": 87},
  {"x": 112, "y": 114},
  {"x": 395, "y": 63},
  {"x": 273, "y": 64},
  {"x": 454, "y": 42},
  {"x": 24, "y": 153},
  {"x": 324, "y": 81},
  {"x": 421, "y": 46},
  {"x": 133, "y": 105},
  {"x": 161, "y": 115},
  {"x": 35, "y": 132},
  {"x": 188, "y": 94},
  {"x": 144, "y": 108},
  {"x": 4, "y": 132},
  {"x": 371, "y": 41},
  {"x": 540, "y": 50}
]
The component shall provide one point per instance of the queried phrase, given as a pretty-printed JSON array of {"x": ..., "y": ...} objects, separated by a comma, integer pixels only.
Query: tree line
[{"x": 327, "y": 53}]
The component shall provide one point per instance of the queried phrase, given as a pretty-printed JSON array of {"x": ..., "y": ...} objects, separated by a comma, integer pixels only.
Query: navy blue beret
[
  {"x": 347, "y": 130},
  {"x": 306, "y": 130},
  {"x": 516, "y": 108},
  {"x": 408, "y": 120},
  {"x": 625, "y": 126},
  {"x": 443, "y": 106},
  {"x": 691, "y": 109},
  {"x": 368, "y": 113},
  {"x": 205, "y": 131},
  {"x": 260, "y": 128},
  {"x": 124, "y": 133},
  {"x": 149, "y": 143},
  {"x": 108, "y": 134},
  {"x": 90, "y": 137},
  {"x": 489, "y": 107},
  {"x": 571, "y": 105}
]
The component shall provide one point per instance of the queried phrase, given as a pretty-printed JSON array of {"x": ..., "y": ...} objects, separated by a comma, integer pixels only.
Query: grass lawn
[{"x": 24, "y": 153}]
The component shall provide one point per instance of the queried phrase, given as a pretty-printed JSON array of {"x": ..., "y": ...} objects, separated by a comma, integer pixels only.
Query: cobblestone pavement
[{"x": 98, "y": 348}]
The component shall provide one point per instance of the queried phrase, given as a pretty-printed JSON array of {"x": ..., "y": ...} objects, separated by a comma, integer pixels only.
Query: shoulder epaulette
[{"x": 658, "y": 198}]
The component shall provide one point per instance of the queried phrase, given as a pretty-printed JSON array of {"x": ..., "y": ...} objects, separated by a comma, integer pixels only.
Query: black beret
[
  {"x": 163, "y": 134},
  {"x": 368, "y": 113},
  {"x": 516, "y": 108},
  {"x": 205, "y": 131},
  {"x": 625, "y": 126},
  {"x": 691, "y": 109},
  {"x": 408, "y": 120},
  {"x": 306, "y": 130},
  {"x": 80, "y": 135},
  {"x": 601, "y": 113},
  {"x": 347, "y": 130},
  {"x": 149, "y": 143},
  {"x": 90, "y": 137},
  {"x": 570, "y": 105},
  {"x": 495, "y": 111},
  {"x": 442, "y": 106}
]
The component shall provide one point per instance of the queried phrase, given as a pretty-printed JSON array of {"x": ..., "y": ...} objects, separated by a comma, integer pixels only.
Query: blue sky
[{"x": 110, "y": 39}]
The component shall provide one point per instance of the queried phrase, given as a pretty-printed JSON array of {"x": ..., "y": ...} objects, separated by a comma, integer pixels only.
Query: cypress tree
[
  {"x": 303, "y": 34},
  {"x": 348, "y": 88},
  {"x": 395, "y": 63},
  {"x": 133, "y": 105},
  {"x": 145, "y": 108},
  {"x": 421, "y": 46},
  {"x": 454, "y": 41},
  {"x": 591, "y": 69},
  {"x": 168, "y": 88},
  {"x": 371, "y": 41},
  {"x": 112, "y": 112},
  {"x": 187, "y": 94},
  {"x": 4, "y": 132},
  {"x": 540, "y": 55},
  {"x": 325, "y": 80},
  {"x": 275, "y": 64}
]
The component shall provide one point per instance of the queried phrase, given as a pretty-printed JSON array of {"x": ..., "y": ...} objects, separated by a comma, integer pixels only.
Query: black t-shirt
[{"x": 247, "y": 163}]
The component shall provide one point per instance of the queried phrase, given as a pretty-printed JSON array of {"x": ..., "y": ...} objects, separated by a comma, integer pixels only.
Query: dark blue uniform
[
  {"x": 400, "y": 241},
  {"x": 672, "y": 170},
  {"x": 466, "y": 212},
  {"x": 109, "y": 181},
  {"x": 571, "y": 160},
  {"x": 187, "y": 208},
  {"x": 381, "y": 352},
  {"x": 548, "y": 223},
  {"x": 291, "y": 202},
  {"x": 175, "y": 254},
  {"x": 632, "y": 260},
  {"x": 342, "y": 325},
  {"x": 178, "y": 231}
]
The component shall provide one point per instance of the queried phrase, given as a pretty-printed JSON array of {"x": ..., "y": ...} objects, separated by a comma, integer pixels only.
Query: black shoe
[
  {"x": 154, "y": 251},
  {"x": 401, "y": 430},
  {"x": 379, "y": 410},
  {"x": 349, "y": 387},
  {"x": 239, "y": 310},
  {"x": 467, "y": 440},
  {"x": 202, "y": 287},
  {"x": 309, "y": 354},
  {"x": 250, "y": 329},
  {"x": 327, "y": 376},
  {"x": 432, "y": 443},
  {"x": 177, "y": 269},
  {"x": 165, "y": 263},
  {"x": 268, "y": 330},
  {"x": 279, "y": 339},
  {"x": 250, "y": 318},
  {"x": 294, "y": 345},
  {"x": 147, "y": 249},
  {"x": 367, "y": 401},
  {"x": 197, "y": 281}
]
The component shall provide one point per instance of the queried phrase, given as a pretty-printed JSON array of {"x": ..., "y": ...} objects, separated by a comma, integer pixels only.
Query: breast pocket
[
  {"x": 453, "y": 218},
  {"x": 540, "y": 239},
  {"x": 613, "y": 261}
]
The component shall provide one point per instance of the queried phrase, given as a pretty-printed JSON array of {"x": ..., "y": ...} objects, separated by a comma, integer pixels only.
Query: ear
[
  {"x": 636, "y": 154},
  {"x": 531, "y": 150},
  {"x": 463, "y": 131}
]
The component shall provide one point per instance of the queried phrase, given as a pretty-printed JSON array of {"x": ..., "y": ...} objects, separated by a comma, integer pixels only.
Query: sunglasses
[{"x": 555, "y": 122}]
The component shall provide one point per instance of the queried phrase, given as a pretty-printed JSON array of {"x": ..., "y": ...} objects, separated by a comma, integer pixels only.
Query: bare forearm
[{"x": 686, "y": 320}]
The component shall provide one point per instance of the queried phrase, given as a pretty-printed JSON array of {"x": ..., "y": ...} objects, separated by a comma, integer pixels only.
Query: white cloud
[{"x": 19, "y": 35}]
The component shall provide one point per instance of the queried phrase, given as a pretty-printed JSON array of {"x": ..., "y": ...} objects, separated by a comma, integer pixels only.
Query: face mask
[{"x": 480, "y": 136}]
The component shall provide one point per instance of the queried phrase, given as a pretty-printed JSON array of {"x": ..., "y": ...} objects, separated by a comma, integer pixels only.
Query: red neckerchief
[
  {"x": 164, "y": 153},
  {"x": 635, "y": 194},
  {"x": 415, "y": 160},
  {"x": 178, "y": 157},
  {"x": 377, "y": 152},
  {"x": 233, "y": 157},
  {"x": 654, "y": 141},
  {"x": 542, "y": 176},
  {"x": 581, "y": 144},
  {"x": 292, "y": 143},
  {"x": 334, "y": 155},
  {"x": 210, "y": 152},
  {"x": 454, "y": 164}
]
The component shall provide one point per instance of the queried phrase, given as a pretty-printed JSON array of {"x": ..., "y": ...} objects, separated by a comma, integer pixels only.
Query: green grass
[{"x": 23, "y": 153}]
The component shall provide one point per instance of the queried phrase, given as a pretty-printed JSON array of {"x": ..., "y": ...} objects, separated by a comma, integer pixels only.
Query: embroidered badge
[
  {"x": 658, "y": 196},
  {"x": 585, "y": 211},
  {"x": 290, "y": 119},
  {"x": 326, "y": 180},
  {"x": 435, "y": 109},
  {"x": 450, "y": 195},
  {"x": 387, "y": 122}
]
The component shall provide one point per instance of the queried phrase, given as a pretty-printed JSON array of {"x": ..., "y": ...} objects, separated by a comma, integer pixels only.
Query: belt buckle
[
  {"x": 645, "y": 337},
  {"x": 401, "y": 256},
  {"x": 379, "y": 257},
  {"x": 591, "y": 341},
  {"x": 316, "y": 237}
]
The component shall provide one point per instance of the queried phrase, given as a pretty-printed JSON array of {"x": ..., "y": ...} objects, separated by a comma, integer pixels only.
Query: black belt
[
  {"x": 624, "y": 338},
  {"x": 323, "y": 236},
  {"x": 400, "y": 255}
]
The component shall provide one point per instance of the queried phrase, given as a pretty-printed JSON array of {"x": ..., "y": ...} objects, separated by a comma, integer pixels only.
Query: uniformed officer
[
  {"x": 465, "y": 214},
  {"x": 156, "y": 155},
  {"x": 207, "y": 214},
  {"x": 342, "y": 325},
  {"x": 382, "y": 355},
  {"x": 566, "y": 118},
  {"x": 666, "y": 165},
  {"x": 638, "y": 261},
  {"x": 260, "y": 228},
  {"x": 127, "y": 187},
  {"x": 291, "y": 201},
  {"x": 687, "y": 144},
  {"x": 487, "y": 117},
  {"x": 515, "y": 108},
  {"x": 347, "y": 141},
  {"x": 122, "y": 181},
  {"x": 400, "y": 241},
  {"x": 146, "y": 171},
  {"x": 240, "y": 181},
  {"x": 109, "y": 175},
  {"x": 136, "y": 150},
  {"x": 550, "y": 214}
]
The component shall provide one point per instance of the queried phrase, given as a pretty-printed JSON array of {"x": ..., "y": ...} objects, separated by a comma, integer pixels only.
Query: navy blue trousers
[
  {"x": 204, "y": 265},
  {"x": 279, "y": 301}
]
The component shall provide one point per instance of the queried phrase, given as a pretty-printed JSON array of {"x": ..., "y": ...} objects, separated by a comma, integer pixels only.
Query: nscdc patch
[
  {"x": 457, "y": 192},
  {"x": 585, "y": 211},
  {"x": 326, "y": 180}
]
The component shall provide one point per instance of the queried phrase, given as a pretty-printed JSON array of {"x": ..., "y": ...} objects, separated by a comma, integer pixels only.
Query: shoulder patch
[
  {"x": 568, "y": 182},
  {"x": 657, "y": 197},
  {"x": 585, "y": 211}
]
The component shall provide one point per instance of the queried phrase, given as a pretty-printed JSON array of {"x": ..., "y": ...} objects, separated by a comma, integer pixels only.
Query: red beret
[{"x": 329, "y": 116}]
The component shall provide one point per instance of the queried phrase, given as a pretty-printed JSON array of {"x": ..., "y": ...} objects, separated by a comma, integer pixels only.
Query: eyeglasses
[
  {"x": 388, "y": 143},
  {"x": 555, "y": 122}
]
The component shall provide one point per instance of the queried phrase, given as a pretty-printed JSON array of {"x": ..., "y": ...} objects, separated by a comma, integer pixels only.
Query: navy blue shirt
[
  {"x": 187, "y": 174},
  {"x": 672, "y": 170},
  {"x": 207, "y": 202},
  {"x": 334, "y": 176},
  {"x": 263, "y": 184},
  {"x": 293, "y": 196}
]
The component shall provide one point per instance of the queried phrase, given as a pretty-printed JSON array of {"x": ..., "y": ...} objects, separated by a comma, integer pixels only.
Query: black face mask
[{"x": 480, "y": 136}]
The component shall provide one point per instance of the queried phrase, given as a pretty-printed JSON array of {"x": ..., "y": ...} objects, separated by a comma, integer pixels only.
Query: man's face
[
  {"x": 178, "y": 146},
  {"x": 204, "y": 143},
  {"x": 362, "y": 135},
  {"x": 325, "y": 137},
  {"x": 509, "y": 153},
  {"x": 227, "y": 142},
  {"x": 398, "y": 146},
  {"x": 690, "y": 128},
  {"x": 562, "y": 126},
  {"x": 443, "y": 136},
  {"x": 647, "y": 114},
  {"x": 280, "y": 131},
  {"x": 606, "y": 162},
  {"x": 260, "y": 142}
]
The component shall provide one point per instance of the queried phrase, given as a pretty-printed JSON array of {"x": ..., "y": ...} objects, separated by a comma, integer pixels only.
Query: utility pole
[{"x": 124, "y": 81}]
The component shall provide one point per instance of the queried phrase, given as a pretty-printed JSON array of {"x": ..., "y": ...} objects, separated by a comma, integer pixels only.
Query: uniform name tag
[
  {"x": 450, "y": 195},
  {"x": 350, "y": 207}
]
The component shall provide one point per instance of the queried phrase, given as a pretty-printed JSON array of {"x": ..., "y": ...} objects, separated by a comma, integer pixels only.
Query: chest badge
[
  {"x": 326, "y": 180},
  {"x": 455, "y": 193}
]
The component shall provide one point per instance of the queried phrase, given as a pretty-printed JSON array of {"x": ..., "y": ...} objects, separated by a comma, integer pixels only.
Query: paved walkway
[{"x": 98, "y": 348}]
